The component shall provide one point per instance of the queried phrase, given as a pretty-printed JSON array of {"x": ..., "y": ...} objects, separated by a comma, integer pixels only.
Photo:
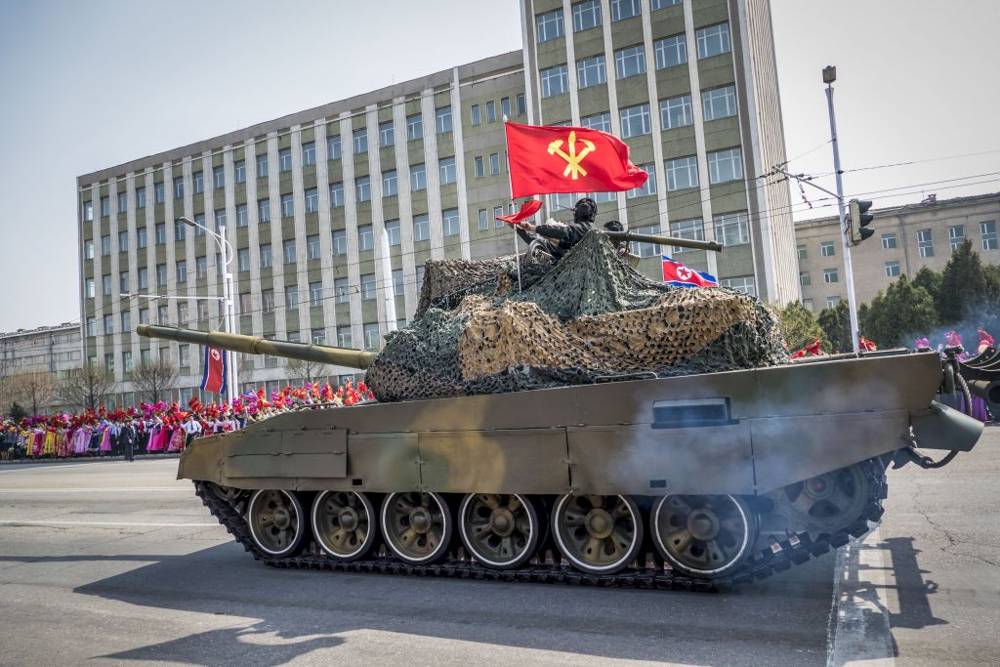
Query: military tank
[{"x": 588, "y": 425}]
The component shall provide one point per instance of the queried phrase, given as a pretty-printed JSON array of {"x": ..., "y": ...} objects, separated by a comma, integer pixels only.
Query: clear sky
[{"x": 93, "y": 84}]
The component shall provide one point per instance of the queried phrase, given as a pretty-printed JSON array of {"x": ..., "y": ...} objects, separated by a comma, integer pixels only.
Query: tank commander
[{"x": 560, "y": 236}]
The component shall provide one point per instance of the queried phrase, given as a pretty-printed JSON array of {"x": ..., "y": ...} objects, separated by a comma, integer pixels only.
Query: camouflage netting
[{"x": 588, "y": 318}]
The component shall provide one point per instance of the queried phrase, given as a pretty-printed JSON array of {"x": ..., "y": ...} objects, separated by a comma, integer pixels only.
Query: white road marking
[
  {"x": 34, "y": 467},
  {"x": 859, "y": 629},
  {"x": 97, "y": 489},
  {"x": 106, "y": 524}
]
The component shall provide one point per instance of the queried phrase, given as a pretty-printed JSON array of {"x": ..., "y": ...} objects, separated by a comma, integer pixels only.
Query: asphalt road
[{"x": 113, "y": 562}]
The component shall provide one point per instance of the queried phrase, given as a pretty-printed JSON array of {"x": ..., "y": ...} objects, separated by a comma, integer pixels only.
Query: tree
[
  {"x": 154, "y": 379},
  {"x": 307, "y": 371},
  {"x": 963, "y": 285},
  {"x": 798, "y": 325},
  {"x": 930, "y": 280},
  {"x": 836, "y": 325},
  {"x": 16, "y": 412},
  {"x": 86, "y": 387},
  {"x": 901, "y": 314},
  {"x": 32, "y": 389}
]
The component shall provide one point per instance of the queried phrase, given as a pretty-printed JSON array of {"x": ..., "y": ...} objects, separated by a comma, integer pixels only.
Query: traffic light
[{"x": 860, "y": 219}]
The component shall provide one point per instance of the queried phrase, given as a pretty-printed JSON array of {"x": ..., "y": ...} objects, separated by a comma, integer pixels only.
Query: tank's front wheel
[
  {"x": 277, "y": 523},
  {"x": 500, "y": 530},
  {"x": 416, "y": 526},
  {"x": 597, "y": 534}
]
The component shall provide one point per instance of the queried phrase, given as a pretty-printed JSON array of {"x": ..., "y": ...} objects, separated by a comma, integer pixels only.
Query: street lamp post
[{"x": 229, "y": 319}]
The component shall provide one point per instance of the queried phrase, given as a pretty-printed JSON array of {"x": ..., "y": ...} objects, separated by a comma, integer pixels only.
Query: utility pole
[{"x": 829, "y": 76}]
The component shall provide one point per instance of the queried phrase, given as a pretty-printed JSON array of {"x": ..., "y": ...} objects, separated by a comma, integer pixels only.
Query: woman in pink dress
[
  {"x": 105, "y": 447},
  {"x": 176, "y": 440}
]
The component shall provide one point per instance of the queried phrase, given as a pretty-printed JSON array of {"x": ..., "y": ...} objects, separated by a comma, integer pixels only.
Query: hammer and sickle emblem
[{"x": 573, "y": 159}]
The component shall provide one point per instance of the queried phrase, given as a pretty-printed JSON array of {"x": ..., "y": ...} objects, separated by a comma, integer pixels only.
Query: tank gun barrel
[
  {"x": 323, "y": 354},
  {"x": 664, "y": 240}
]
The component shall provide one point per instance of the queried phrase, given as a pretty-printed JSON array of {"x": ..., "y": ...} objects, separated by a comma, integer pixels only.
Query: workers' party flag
[
  {"x": 675, "y": 273},
  {"x": 528, "y": 209},
  {"x": 547, "y": 160},
  {"x": 214, "y": 377}
]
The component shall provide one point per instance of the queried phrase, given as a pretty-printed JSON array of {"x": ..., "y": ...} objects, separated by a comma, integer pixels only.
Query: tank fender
[{"x": 942, "y": 427}]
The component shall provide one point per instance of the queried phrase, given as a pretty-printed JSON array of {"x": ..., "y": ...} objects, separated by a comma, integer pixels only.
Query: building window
[
  {"x": 491, "y": 112},
  {"x": 360, "y": 141},
  {"x": 803, "y": 252},
  {"x": 397, "y": 282},
  {"x": 682, "y": 173},
  {"x": 670, "y": 51},
  {"x": 123, "y": 282},
  {"x": 218, "y": 177},
  {"x": 392, "y": 231},
  {"x": 201, "y": 266},
  {"x": 505, "y": 106},
  {"x": 264, "y": 210},
  {"x": 316, "y": 294},
  {"x": 182, "y": 315},
  {"x": 143, "y": 277},
  {"x": 421, "y": 227},
  {"x": 109, "y": 325},
  {"x": 240, "y": 171},
  {"x": 521, "y": 105},
  {"x": 450, "y": 221},
  {"x": 163, "y": 314},
  {"x": 630, "y": 61},
  {"x": 925, "y": 242},
  {"x": 202, "y": 311},
  {"x": 484, "y": 219},
  {"x": 549, "y": 25},
  {"x": 598, "y": 121},
  {"x": 312, "y": 200},
  {"x": 366, "y": 237},
  {"x": 649, "y": 187},
  {"x": 161, "y": 234},
  {"x": 341, "y": 290},
  {"x": 743, "y": 284},
  {"x": 333, "y": 147},
  {"x": 199, "y": 182},
  {"x": 122, "y": 202},
  {"x": 888, "y": 241},
  {"x": 291, "y": 297},
  {"x": 265, "y": 255},
  {"x": 805, "y": 279},
  {"x": 126, "y": 360},
  {"x": 267, "y": 300},
  {"x": 123, "y": 241},
  {"x": 386, "y": 134},
  {"x": 220, "y": 219},
  {"x": 892, "y": 269},
  {"x": 676, "y": 112},
  {"x": 414, "y": 127},
  {"x": 336, "y": 195},
  {"x": 182, "y": 271},
  {"x": 140, "y": 237},
  {"x": 827, "y": 249},
  {"x": 494, "y": 164},
  {"x": 91, "y": 326},
  {"x": 140, "y": 198},
  {"x": 663, "y": 4},
  {"x": 339, "y": 242},
  {"x": 956, "y": 236},
  {"x": 830, "y": 275},
  {"x": 367, "y": 286},
  {"x": 732, "y": 228},
  {"x": 719, "y": 102},
  {"x": 480, "y": 168},
  {"x": 647, "y": 249},
  {"x": 447, "y": 169},
  {"x": 309, "y": 154},
  {"x": 158, "y": 192},
  {"x": 106, "y": 284},
  {"x": 287, "y": 205},
  {"x": 554, "y": 81},
  {"x": 988, "y": 230},
  {"x": 161, "y": 275},
  {"x": 242, "y": 216},
  {"x": 418, "y": 177},
  {"x": 590, "y": 72},
  {"x": 363, "y": 188},
  {"x": 442, "y": 117},
  {"x": 312, "y": 246},
  {"x": 713, "y": 40},
  {"x": 832, "y": 301},
  {"x": 344, "y": 338},
  {"x": 625, "y": 9},
  {"x": 372, "y": 338},
  {"x": 497, "y": 212},
  {"x": 474, "y": 114},
  {"x": 262, "y": 165},
  {"x": 285, "y": 159},
  {"x": 88, "y": 249},
  {"x": 586, "y": 15},
  {"x": 693, "y": 229},
  {"x": 106, "y": 245},
  {"x": 635, "y": 120},
  {"x": 725, "y": 165},
  {"x": 288, "y": 250},
  {"x": 178, "y": 187},
  {"x": 105, "y": 206}
]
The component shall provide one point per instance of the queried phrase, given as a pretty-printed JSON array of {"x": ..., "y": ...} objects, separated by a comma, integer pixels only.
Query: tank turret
[{"x": 338, "y": 356}]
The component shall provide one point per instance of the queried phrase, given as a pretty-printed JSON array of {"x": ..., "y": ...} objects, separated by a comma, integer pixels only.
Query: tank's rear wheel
[
  {"x": 416, "y": 526},
  {"x": 597, "y": 534},
  {"x": 706, "y": 536},
  {"x": 343, "y": 523},
  {"x": 500, "y": 530},
  {"x": 828, "y": 503},
  {"x": 277, "y": 522}
]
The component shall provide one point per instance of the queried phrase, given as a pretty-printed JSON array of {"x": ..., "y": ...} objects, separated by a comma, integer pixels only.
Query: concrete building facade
[
  {"x": 51, "y": 349},
  {"x": 907, "y": 238},
  {"x": 305, "y": 199}
]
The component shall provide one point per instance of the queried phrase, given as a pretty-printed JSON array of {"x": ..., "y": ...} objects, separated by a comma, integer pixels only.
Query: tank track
[{"x": 650, "y": 571}]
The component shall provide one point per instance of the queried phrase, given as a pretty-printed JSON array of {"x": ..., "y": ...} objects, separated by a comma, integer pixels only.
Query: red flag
[
  {"x": 813, "y": 349},
  {"x": 679, "y": 275},
  {"x": 547, "y": 159},
  {"x": 528, "y": 209},
  {"x": 866, "y": 344},
  {"x": 214, "y": 377}
]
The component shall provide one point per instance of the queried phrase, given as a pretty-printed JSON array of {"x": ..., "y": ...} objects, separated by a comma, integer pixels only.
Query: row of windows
[
  {"x": 925, "y": 241},
  {"x": 489, "y": 109},
  {"x": 587, "y": 15}
]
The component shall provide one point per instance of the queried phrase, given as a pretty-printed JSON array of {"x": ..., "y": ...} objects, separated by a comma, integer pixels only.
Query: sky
[{"x": 93, "y": 84}]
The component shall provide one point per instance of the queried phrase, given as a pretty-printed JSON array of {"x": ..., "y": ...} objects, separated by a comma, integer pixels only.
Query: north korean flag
[
  {"x": 214, "y": 377},
  {"x": 675, "y": 273}
]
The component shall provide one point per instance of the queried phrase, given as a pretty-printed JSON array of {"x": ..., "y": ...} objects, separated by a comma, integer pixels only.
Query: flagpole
[{"x": 510, "y": 184}]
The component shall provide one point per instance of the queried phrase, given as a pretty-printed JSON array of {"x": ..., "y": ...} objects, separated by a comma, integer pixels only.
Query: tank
[{"x": 658, "y": 463}]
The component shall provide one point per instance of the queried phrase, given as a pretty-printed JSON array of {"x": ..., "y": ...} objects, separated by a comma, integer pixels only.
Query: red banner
[
  {"x": 214, "y": 378},
  {"x": 547, "y": 160},
  {"x": 528, "y": 209}
]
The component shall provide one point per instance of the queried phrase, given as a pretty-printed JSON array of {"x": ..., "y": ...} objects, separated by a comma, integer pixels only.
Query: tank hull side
[{"x": 741, "y": 432}]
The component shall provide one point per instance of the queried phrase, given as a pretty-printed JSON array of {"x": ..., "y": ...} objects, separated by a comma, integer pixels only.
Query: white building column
[
  {"x": 277, "y": 262},
  {"x": 351, "y": 224},
  {"x": 432, "y": 171},
  {"x": 612, "y": 72},
  {"x": 411, "y": 291},
  {"x": 458, "y": 141},
  {"x": 378, "y": 215},
  {"x": 659, "y": 170},
  {"x": 328, "y": 303}
]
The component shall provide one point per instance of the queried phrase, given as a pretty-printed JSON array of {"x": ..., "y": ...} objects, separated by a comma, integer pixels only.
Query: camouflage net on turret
[{"x": 588, "y": 318}]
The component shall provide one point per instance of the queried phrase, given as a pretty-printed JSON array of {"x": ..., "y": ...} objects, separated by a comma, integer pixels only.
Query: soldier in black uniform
[{"x": 560, "y": 237}]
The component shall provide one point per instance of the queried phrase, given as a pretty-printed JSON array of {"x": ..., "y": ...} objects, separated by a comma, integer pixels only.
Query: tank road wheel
[
  {"x": 825, "y": 504},
  {"x": 705, "y": 536},
  {"x": 416, "y": 526},
  {"x": 277, "y": 522},
  {"x": 598, "y": 534},
  {"x": 501, "y": 531},
  {"x": 343, "y": 523}
]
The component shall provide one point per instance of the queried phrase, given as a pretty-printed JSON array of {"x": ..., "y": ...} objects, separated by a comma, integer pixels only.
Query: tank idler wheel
[
  {"x": 500, "y": 530},
  {"x": 343, "y": 523},
  {"x": 597, "y": 534},
  {"x": 277, "y": 522},
  {"x": 705, "y": 536},
  {"x": 416, "y": 526}
]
